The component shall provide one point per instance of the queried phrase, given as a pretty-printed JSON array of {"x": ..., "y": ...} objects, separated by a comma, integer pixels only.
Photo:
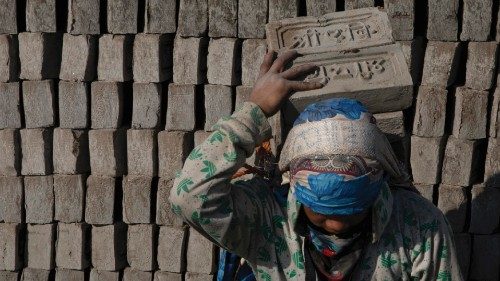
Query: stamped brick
[
  {"x": 69, "y": 274},
  {"x": 39, "y": 199},
  {"x": 459, "y": 163},
  {"x": 103, "y": 275},
  {"x": 32, "y": 274},
  {"x": 122, "y": 16},
  {"x": 40, "y": 242},
  {"x": 147, "y": 105},
  {"x": 83, "y": 17},
  {"x": 190, "y": 60},
  {"x": 476, "y": 20},
  {"x": 222, "y": 18},
  {"x": 39, "y": 103},
  {"x": 252, "y": 16},
  {"x": 71, "y": 248},
  {"x": 74, "y": 105},
  {"x": 481, "y": 65},
  {"x": 114, "y": 60},
  {"x": 199, "y": 244},
  {"x": 11, "y": 199},
  {"x": 10, "y": 105},
  {"x": 8, "y": 16},
  {"x": 171, "y": 244},
  {"x": 131, "y": 274},
  {"x": 152, "y": 58},
  {"x": 495, "y": 115},
  {"x": 453, "y": 202},
  {"x": 441, "y": 63},
  {"x": 109, "y": 247},
  {"x": 173, "y": 149},
  {"x": 221, "y": 61},
  {"x": 106, "y": 105},
  {"x": 141, "y": 247},
  {"x": 9, "y": 58},
  {"x": 165, "y": 213},
  {"x": 160, "y": 16},
  {"x": 485, "y": 258},
  {"x": 100, "y": 200},
  {"x": 69, "y": 198},
  {"x": 10, "y": 246},
  {"x": 108, "y": 152},
  {"x": 443, "y": 20},
  {"x": 218, "y": 104},
  {"x": 137, "y": 203},
  {"x": 193, "y": 18},
  {"x": 41, "y": 15},
  {"x": 492, "y": 163},
  {"x": 71, "y": 151},
  {"x": 402, "y": 17},
  {"x": 79, "y": 58},
  {"x": 426, "y": 159},
  {"x": 10, "y": 148},
  {"x": 253, "y": 52},
  {"x": 485, "y": 209},
  {"x": 166, "y": 276},
  {"x": 414, "y": 52},
  {"x": 142, "y": 152},
  {"x": 471, "y": 114},
  {"x": 40, "y": 55},
  {"x": 36, "y": 147},
  {"x": 280, "y": 9},
  {"x": 430, "y": 111},
  {"x": 181, "y": 108}
]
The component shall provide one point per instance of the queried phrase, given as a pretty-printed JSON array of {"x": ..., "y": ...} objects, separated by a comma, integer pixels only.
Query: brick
[
  {"x": 253, "y": 52},
  {"x": 193, "y": 18},
  {"x": 152, "y": 58},
  {"x": 10, "y": 276},
  {"x": 100, "y": 200},
  {"x": 171, "y": 245},
  {"x": 109, "y": 247},
  {"x": 147, "y": 105},
  {"x": 481, "y": 65},
  {"x": 199, "y": 244},
  {"x": 485, "y": 209},
  {"x": 426, "y": 159},
  {"x": 357, "y": 4},
  {"x": 10, "y": 251},
  {"x": 79, "y": 58},
  {"x": 122, "y": 16},
  {"x": 402, "y": 17},
  {"x": 160, "y": 16},
  {"x": 441, "y": 63},
  {"x": 137, "y": 191},
  {"x": 166, "y": 276},
  {"x": 443, "y": 20},
  {"x": 191, "y": 276},
  {"x": 106, "y": 105},
  {"x": 83, "y": 17},
  {"x": 459, "y": 163},
  {"x": 36, "y": 147},
  {"x": 252, "y": 16},
  {"x": 463, "y": 247},
  {"x": 471, "y": 108},
  {"x": 218, "y": 104},
  {"x": 430, "y": 112},
  {"x": 40, "y": 246},
  {"x": 9, "y": 58},
  {"x": 492, "y": 163},
  {"x": 391, "y": 124},
  {"x": 41, "y": 15},
  {"x": 39, "y": 103},
  {"x": 280, "y": 9},
  {"x": 102, "y": 275},
  {"x": 69, "y": 198},
  {"x": 476, "y": 20},
  {"x": 221, "y": 61},
  {"x": 108, "y": 152},
  {"x": 74, "y": 105},
  {"x": 141, "y": 247},
  {"x": 130, "y": 274},
  {"x": 414, "y": 52},
  {"x": 223, "y": 18},
  {"x": 32, "y": 274},
  {"x": 68, "y": 274},
  {"x": 71, "y": 249},
  {"x": 10, "y": 105},
  {"x": 318, "y": 8},
  {"x": 242, "y": 95},
  {"x": 485, "y": 259},
  {"x": 426, "y": 190},
  {"x": 142, "y": 152},
  {"x": 114, "y": 60},
  {"x": 495, "y": 115},
  {"x": 39, "y": 199},
  {"x": 11, "y": 199},
  {"x": 164, "y": 213},
  {"x": 200, "y": 136},
  {"x": 40, "y": 55},
  {"x": 190, "y": 60},
  {"x": 8, "y": 14},
  {"x": 71, "y": 151},
  {"x": 173, "y": 149},
  {"x": 181, "y": 108},
  {"x": 452, "y": 202},
  {"x": 10, "y": 148}
]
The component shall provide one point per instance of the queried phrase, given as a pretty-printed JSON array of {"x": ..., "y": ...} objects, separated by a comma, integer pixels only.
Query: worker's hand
[{"x": 274, "y": 86}]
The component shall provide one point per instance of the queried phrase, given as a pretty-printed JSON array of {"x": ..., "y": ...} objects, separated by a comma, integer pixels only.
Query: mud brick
[
  {"x": 452, "y": 202},
  {"x": 83, "y": 16},
  {"x": 108, "y": 152},
  {"x": 414, "y": 52},
  {"x": 191, "y": 276},
  {"x": 141, "y": 248},
  {"x": 171, "y": 245},
  {"x": 181, "y": 107},
  {"x": 223, "y": 18},
  {"x": 131, "y": 274},
  {"x": 459, "y": 163},
  {"x": 40, "y": 55},
  {"x": 242, "y": 95},
  {"x": 318, "y": 8},
  {"x": 485, "y": 259},
  {"x": 36, "y": 147},
  {"x": 39, "y": 103},
  {"x": 10, "y": 148},
  {"x": 357, "y": 4},
  {"x": 218, "y": 104},
  {"x": 221, "y": 61},
  {"x": 253, "y": 53},
  {"x": 441, "y": 63},
  {"x": 160, "y": 16},
  {"x": 463, "y": 248},
  {"x": 100, "y": 200},
  {"x": 11, "y": 199},
  {"x": 69, "y": 194},
  {"x": 71, "y": 151},
  {"x": 8, "y": 14},
  {"x": 9, "y": 58},
  {"x": 492, "y": 165},
  {"x": 402, "y": 17},
  {"x": 39, "y": 199},
  {"x": 193, "y": 18},
  {"x": 102, "y": 275},
  {"x": 426, "y": 190},
  {"x": 391, "y": 124},
  {"x": 481, "y": 65},
  {"x": 71, "y": 249},
  {"x": 10, "y": 251},
  {"x": 32, "y": 274},
  {"x": 495, "y": 115},
  {"x": 79, "y": 58},
  {"x": 109, "y": 247},
  {"x": 443, "y": 20},
  {"x": 200, "y": 136},
  {"x": 164, "y": 213},
  {"x": 430, "y": 112},
  {"x": 68, "y": 274},
  {"x": 165, "y": 276},
  {"x": 142, "y": 152},
  {"x": 173, "y": 149},
  {"x": 152, "y": 58},
  {"x": 476, "y": 20},
  {"x": 147, "y": 105},
  {"x": 10, "y": 105},
  {"x": 40, "y": 246},
  {"x": 280, "y": 9},
  {"x": 471, "y": 113},
  {"x": 114, "y": 60},
  {"x": 485, "y": 209},
  {"x": 41, "y": 15},
  {"x": 426, "y": 159},
  {"x": 190, "y": 60},
  {"x": 106, "y": 105},
  {"x": 74, "y": 105},
  {"x": 122, "y": 16},
  {"x": 10, "y": 275},
  {"x": 137, "y": 203},
  {"x": 199, "y": 244},
  {"x": 252, "y": 16}
]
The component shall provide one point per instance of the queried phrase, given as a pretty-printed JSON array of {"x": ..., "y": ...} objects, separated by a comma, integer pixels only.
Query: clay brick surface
[
  {"x": 11, "y": 199},
  {"x": 166, "y": 276},
  {"x": 485, "y": 259},
  {"x": 485, "y": 209},
  {"x": 357, "y": 4},
  {"x": 71, "y": 249},
  {"x": 83, "y": 17},
  {"x": 10, "y": 239},
  {"x": 426, "y": 190},
  {"x": 40, "y": 55},
  {"x": 142, "y": 152},
  {"x": 200, "y": 136},
  {"x": 171, "y": 244},
  {"x": 440, "y": 63},
  {"x": 122, "y": 16},
  {"x": 131, "y": 274},
  {"x": 173, "y": 149},
  {"x": 191, "y": 276},
  {"x": 193, "y": 18},
  {"x": 68, "y": 274},
  {"x": 8, "y": 16},
  {"x": 39, "y": 199},
  {"x": 199, "y": 244},
  {"x": 107, "y": 152},
  {"x": 114, "y": 60},
  {"x": 459, "y": 162},
  {"x": 242, "y": 95},
  {"x": 402, "y": 17},
  {"x": 40, "y": 252},
  {"x": 165, "y": 215},
  {"x": 452, "y": 202},
  {"x": 69, "y": 198},
  {"x": 9, "y": 58},
  {"x": 471, "y": 108},
  {"x": 252, "y": 16},
  {"x": 253, "y": 52},
  {"x": 318, "y": 8},
  {"x": 495, "y": 115},
  {"x": 481, "y": 65},
  {"x": 10, "y": 105},
  {"x": 391, "y": 124},
  {"x": 414, "y": 52},
  {"x": 152, "y": 58},
  {"x": 218, "y": 104},
  {"x": 222, "y": 18},
  {"x": 426, "y": 159},
  {"x": 476, "y": 20},
  {"x": 280, "y": 9},
  {"x": 100, "y": 200},
  {"x": 36, "y": 147},
  {"x": 32, "y": 274},
  {"x": 430, "y": 112},
  {"x": 492, "y": 165},
  {"x": 181, "y": 107},
  {"x": 71, "y": 151},
  {"x": 443, "y": 20},
  {"x": 102, "y": 275},
  {"x": 74, "y": 105},
  {"x": 160, "y": 16},
  {"x": 137, "y": 192},
  {"x": 10, "y": 275},
  {"x": 39, "y": 103},
  {"x": 10, "y": 148},
  {"x": 221, "y": 61},
  {"x": 106, "y": 105},
  {"x": 109, "y": 247},
  {"x": 41, "y": 15},
  {"x": 190, "y": 60},
  {"x": 79, "y": 58},
  {"x": 141, "y": 247},
  {"x": 147, "y": 105}
]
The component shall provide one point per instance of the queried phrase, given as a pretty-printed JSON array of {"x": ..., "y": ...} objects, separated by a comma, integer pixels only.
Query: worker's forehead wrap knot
[{"x": 338, "y": 159}]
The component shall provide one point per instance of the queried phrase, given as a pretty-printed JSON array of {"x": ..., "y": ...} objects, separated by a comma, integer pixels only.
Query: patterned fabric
[{"x": 410, "y": 237}]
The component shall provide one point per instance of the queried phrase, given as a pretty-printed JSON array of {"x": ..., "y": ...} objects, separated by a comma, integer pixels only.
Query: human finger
[
  {"x": 266, "y": 63},
  {"x": 304, "y": 86},
  {"x": 283, "y": 59},
  {"x": 296, "y": 71}
]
